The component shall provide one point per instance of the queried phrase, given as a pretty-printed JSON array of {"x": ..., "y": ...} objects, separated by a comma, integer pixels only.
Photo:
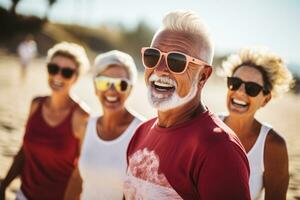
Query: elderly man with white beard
[{"x": 186, "y": 152}]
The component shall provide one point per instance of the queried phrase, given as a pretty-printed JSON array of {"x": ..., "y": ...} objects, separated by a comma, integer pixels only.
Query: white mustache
[{"x": 162, "y": 79}]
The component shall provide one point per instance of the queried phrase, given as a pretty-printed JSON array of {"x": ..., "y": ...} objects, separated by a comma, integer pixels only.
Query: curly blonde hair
[
  {"x": 73, "y": 51},
  {"x": 277, "y": 76}
]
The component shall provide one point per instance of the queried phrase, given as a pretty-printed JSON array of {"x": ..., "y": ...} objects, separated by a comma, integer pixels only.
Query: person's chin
[{"x": 165, "y": 103}]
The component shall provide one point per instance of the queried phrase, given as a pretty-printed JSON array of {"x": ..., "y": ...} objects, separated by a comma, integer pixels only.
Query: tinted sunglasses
[
  {"x": 252, "y": 89},
  {"x": 104, "y": 83},
  {"x": 177, "y": 62},
  {"x": 66, "y": 72}
]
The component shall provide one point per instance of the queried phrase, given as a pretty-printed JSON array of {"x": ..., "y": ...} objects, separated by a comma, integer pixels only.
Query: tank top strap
[
  {"x": 265, "y": 128},
  {"x": 92, "y": 128},
  {"x": 41, "y": 101},
  {"x": 257, "y": 151},
  {"x": 262, "y": 136}
]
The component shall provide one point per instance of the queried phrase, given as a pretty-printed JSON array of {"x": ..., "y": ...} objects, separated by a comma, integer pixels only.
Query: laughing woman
[
  {"x": 102, "y": 162},
  {"x": 54, "y": 130},
  {"x": 255, "y": 75}
]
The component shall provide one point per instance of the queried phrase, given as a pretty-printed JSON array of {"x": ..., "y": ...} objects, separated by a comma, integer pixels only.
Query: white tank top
[
  {"x": 256, "y": 161},
  {"x": 102, "y": 164}
]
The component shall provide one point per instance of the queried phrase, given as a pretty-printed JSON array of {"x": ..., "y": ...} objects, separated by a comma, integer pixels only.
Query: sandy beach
[{"x": 16, "y": 93}]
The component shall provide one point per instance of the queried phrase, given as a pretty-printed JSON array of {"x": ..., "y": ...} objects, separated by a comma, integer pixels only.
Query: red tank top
[{"x": 50, "y": 156}]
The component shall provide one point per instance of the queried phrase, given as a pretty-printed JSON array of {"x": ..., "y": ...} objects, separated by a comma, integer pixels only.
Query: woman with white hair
[
  {"x": 102, "y": 163},
  {"x": 254, "y": 76},
  {"x": 54, "y": 130}
]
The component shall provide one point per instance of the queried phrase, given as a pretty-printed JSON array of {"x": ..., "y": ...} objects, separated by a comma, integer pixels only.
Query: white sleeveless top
[
  {"x": 102, "y": 164},
  {"x": 256, "y": 161}
]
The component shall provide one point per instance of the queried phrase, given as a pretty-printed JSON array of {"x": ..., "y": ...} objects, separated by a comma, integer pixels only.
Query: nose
[
  {"x": 241, "y": 89},
  {"x": 112, "y": 88},
  {"x": 58, "y": 76},
  {"x": 162, "y": 68}
]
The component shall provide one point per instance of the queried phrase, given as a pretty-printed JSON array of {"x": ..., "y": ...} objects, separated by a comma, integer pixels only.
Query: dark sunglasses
[
  {"x": 177, "y": 62},
  {"x": 66, "y": 72},
  {"x": 252, "y": 89}
]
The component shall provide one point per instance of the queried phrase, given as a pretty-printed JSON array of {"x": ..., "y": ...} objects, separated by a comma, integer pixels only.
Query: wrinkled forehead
[{"x": 191, "y": 44}]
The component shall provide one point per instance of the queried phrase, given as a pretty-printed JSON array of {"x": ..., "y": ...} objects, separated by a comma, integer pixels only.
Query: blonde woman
[
  {"x": 54, "y": 130},
  {"x": 255, "y": 75}
]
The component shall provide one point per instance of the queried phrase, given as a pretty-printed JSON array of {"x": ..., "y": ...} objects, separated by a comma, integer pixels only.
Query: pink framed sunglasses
[{"x": 177, "y": 62}]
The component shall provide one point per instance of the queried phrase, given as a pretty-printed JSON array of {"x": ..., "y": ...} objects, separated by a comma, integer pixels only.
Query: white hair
[
  {"x": 73, "y": 51},
  {"x": 103, "y": 61},
  {"x": 188, "y": 21},
  {"x": 161, "y": 103}
]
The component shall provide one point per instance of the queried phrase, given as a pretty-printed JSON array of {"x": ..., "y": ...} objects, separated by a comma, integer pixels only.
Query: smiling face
[
  {"x": 167, "y": 90},
  {"x": 238, "y": 102},
  {"x": 111, "y": 99},
  {"x": 57, "y": 82}
]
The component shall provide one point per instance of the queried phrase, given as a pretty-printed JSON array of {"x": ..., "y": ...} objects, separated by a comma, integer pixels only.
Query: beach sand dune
[{"x": 16, "y": 93}]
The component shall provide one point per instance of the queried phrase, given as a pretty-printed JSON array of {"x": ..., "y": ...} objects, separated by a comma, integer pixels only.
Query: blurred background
[{"x": 100, "y": 26}]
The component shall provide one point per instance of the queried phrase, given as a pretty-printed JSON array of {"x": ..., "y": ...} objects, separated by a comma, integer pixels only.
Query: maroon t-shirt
[{"x": 199, "y": 159}]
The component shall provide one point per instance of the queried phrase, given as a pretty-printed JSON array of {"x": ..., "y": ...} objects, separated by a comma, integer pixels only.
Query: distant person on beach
[
  {"x": 54, "y": 130},
  {"x": 27, "y": 50},
  {"x": 102, "y": 163},
  {"x": 255, "y": 75},
  {"x": 186, "y": 152}
]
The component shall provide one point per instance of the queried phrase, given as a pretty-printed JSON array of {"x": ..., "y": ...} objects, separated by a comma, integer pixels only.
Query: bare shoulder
[
  {"x": 81, "y": 113},
  {"x": 275, "y": 140},
  {"x": 276, "y": 174},
  {"x": 35, "y": 104},
  {"x": 80, "y": 119},
  {"x": 275, "y": 148},
  {"x": 82, "y": 110}
]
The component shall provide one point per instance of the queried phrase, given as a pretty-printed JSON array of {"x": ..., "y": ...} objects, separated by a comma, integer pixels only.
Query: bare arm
[
  {"x": 17, "y": 166},
  {"x": 14, "y": 171},
  {"x": 74, "y": 187},
  {"x": 276, "y": 175}
]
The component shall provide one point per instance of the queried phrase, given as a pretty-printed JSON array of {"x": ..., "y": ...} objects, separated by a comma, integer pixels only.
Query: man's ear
[
  {"x": 268, "y": 97},
  {"x": 204, "y": 75}
]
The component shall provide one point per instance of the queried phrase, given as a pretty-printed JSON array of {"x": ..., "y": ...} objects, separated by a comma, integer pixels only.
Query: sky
[{"x": 232, "y": 23}]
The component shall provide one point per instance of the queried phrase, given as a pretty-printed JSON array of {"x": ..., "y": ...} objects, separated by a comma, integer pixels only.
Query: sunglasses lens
[
  {"x": 67, "y": 73},
  {"x": 234, "y": 83},
  {"x": 102, "y": 84},
  {"x": 123, "y": 85},
  {"x": 151, "y": 57},
  {"x": 52, "y": 69},
  {"x": 252, "y": 89},
  {"x": 176, "y": 62}
]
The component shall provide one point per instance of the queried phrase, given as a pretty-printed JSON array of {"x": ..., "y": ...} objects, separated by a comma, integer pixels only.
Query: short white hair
[
  {"x": 103, "y": 61},
  {"x": 72, "y": 50},
  {"x": 189, "y": 22}
]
